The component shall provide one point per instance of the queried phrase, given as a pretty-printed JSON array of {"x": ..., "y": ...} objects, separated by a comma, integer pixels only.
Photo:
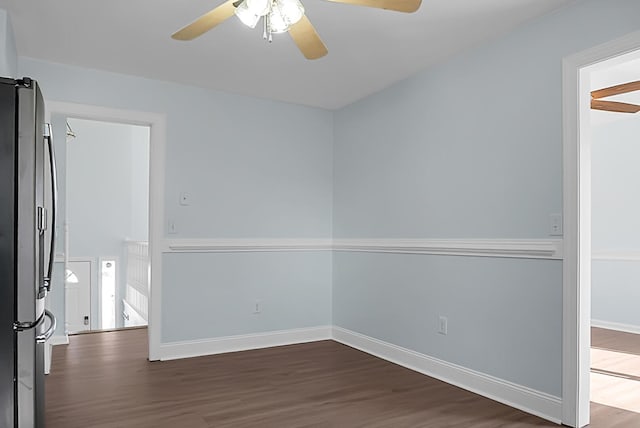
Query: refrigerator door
[
  {"x": 31, "y": 215},
  {"x": 32, "y": 224},
  {"x": 7, "y": 251}
]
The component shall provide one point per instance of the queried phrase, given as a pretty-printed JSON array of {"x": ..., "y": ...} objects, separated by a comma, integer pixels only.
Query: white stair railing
[{"x": 138, "y": 268}]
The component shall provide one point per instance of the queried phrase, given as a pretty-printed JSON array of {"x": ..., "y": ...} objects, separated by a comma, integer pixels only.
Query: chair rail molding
[
  {"x": 616, "y": 255},
  {"x": 244, "y": 245},
  {"x": 510, "y": 248}
]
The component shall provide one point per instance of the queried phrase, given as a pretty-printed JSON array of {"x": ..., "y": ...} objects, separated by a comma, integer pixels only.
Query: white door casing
[
  {"x": 157, "y": 143},
  {"x": 576, "y": 163}
]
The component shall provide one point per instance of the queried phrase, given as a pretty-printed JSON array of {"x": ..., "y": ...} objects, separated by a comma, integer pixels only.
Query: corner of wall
[{"x": 8, "y": 51}]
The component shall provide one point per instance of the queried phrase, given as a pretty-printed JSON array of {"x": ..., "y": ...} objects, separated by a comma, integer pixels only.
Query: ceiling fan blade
[
  {"x": 407, "y": 6},
  {"x": 206, "y": 22},
  {"x": 614, "y": 106},
  {"x": 307, "y": 39},
  {"x": 616, "y": 90}
]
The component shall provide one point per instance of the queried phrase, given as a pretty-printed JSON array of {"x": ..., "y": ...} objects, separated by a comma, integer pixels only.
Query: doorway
[
  {"x": 106, "y": 196},
  {"x": 577, "y": 275},
  {"x": 157, "y": 125},
  {"x": 615, "y": 240}
]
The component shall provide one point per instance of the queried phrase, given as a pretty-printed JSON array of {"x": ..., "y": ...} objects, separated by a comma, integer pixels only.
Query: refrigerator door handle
[
  {"x": 22, "y": 326},
  {"x": 54, "y": 203},
  {"x": 52, "y": 328}
]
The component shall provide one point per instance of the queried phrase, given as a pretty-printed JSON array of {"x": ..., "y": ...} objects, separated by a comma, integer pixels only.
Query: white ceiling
[{"x": 369, "y": 49}]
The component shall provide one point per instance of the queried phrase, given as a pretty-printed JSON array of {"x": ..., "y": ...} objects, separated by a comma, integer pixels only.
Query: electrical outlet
[
  {"x": 257, "y": 307},
  {"x": 442, "y": 325},
  {"x": 185, "y": 198}
]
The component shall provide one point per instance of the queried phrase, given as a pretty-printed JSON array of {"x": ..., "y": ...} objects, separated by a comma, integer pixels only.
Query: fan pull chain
[{"x": 264, "y": 34}]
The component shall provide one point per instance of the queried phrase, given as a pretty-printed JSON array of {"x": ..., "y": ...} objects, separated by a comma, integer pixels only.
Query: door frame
[
  {"x": 576, "y": 184},
  {"x": 157, "y": 143}
]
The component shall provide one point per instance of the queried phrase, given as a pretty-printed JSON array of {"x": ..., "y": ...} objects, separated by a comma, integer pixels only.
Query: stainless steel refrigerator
[{"x": 27, "y": 245}]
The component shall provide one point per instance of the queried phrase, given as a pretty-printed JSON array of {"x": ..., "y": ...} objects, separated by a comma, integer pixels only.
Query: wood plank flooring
[
  {"x": 103, "y": 380},
  {"x": 615, "y": 378}
]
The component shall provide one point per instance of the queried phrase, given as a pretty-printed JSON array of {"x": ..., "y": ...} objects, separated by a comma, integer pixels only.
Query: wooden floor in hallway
[
  {"x": 615, "y": 375},
  {"x": 103, "y": 380}
]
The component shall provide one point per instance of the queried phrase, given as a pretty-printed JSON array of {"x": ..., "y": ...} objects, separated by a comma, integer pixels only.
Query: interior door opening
[
  {"x": 614, "y": 184},
  {"x": 578, "y": 69},
  {"x": 106, "y": 211}
]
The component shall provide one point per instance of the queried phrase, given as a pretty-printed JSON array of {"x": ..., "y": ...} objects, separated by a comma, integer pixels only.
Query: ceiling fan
[
  {"x": 280, "y": 16},
  {"x": 598, "y": 104}
]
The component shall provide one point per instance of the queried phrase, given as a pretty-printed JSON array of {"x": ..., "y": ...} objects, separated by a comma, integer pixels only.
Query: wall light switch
[
  {"x": 555, "y": 224},
  {"x": 443, "y": 325},
  {"x": 172, "y": 226},
  {"x": 185, "y": 198}
]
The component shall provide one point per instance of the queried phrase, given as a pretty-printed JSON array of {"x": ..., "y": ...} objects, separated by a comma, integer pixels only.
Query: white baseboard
[
  {"x": 197, "y": 348},
  {"x": 529, "y": 400},
  {"x": 627, "y": 328},
  {"x": 58, "y": 340}
]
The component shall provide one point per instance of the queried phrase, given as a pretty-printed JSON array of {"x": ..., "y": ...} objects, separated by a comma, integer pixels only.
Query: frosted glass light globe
[
  {"x": 247, "y": 17},
  {"x": 291, "y": 10},
  {"x": 259, "y": 7},
  {"x": 277, "y": 23}
]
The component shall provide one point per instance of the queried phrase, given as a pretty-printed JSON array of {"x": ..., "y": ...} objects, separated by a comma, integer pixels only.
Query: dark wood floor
[{"x": 103, "y": 380}]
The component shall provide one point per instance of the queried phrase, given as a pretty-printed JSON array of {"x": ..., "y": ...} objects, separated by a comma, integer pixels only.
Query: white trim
[
  {"x": 243, "y": 245},
  {"x": 609, "y": 325},
  {"x": 619, "y": 255},
  {"x": 219, "y": 345},
  {"x": 529, "y": 400},
  {"x": 511, "y": 248},
  {"x": 58, "y": 340},
  {"x": 576, "y": 225},
  {"x": 157, "y": 145}
]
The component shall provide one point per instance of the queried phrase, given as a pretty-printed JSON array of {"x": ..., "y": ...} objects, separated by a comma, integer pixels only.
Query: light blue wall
[
  {"x": 468, "y": 149},
  {"x": 294, "y": 291},
  {"x": 8, "y": 53},
  {"x": 140, "y": 183},
  {"x": 503, "y": 314},
  {"x": 615, "y": 187},
  {"x": 254, "y": 169},
  {"x": 615, "y": 202}
]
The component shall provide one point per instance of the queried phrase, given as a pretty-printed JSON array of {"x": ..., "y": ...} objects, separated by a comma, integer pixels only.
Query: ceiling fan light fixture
[
  {"x": 291, "y": 10},
  {"x": 259, "y": 7},
  {"x": 277, "y": 22},
  {"x": 246, "y": 16}
]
